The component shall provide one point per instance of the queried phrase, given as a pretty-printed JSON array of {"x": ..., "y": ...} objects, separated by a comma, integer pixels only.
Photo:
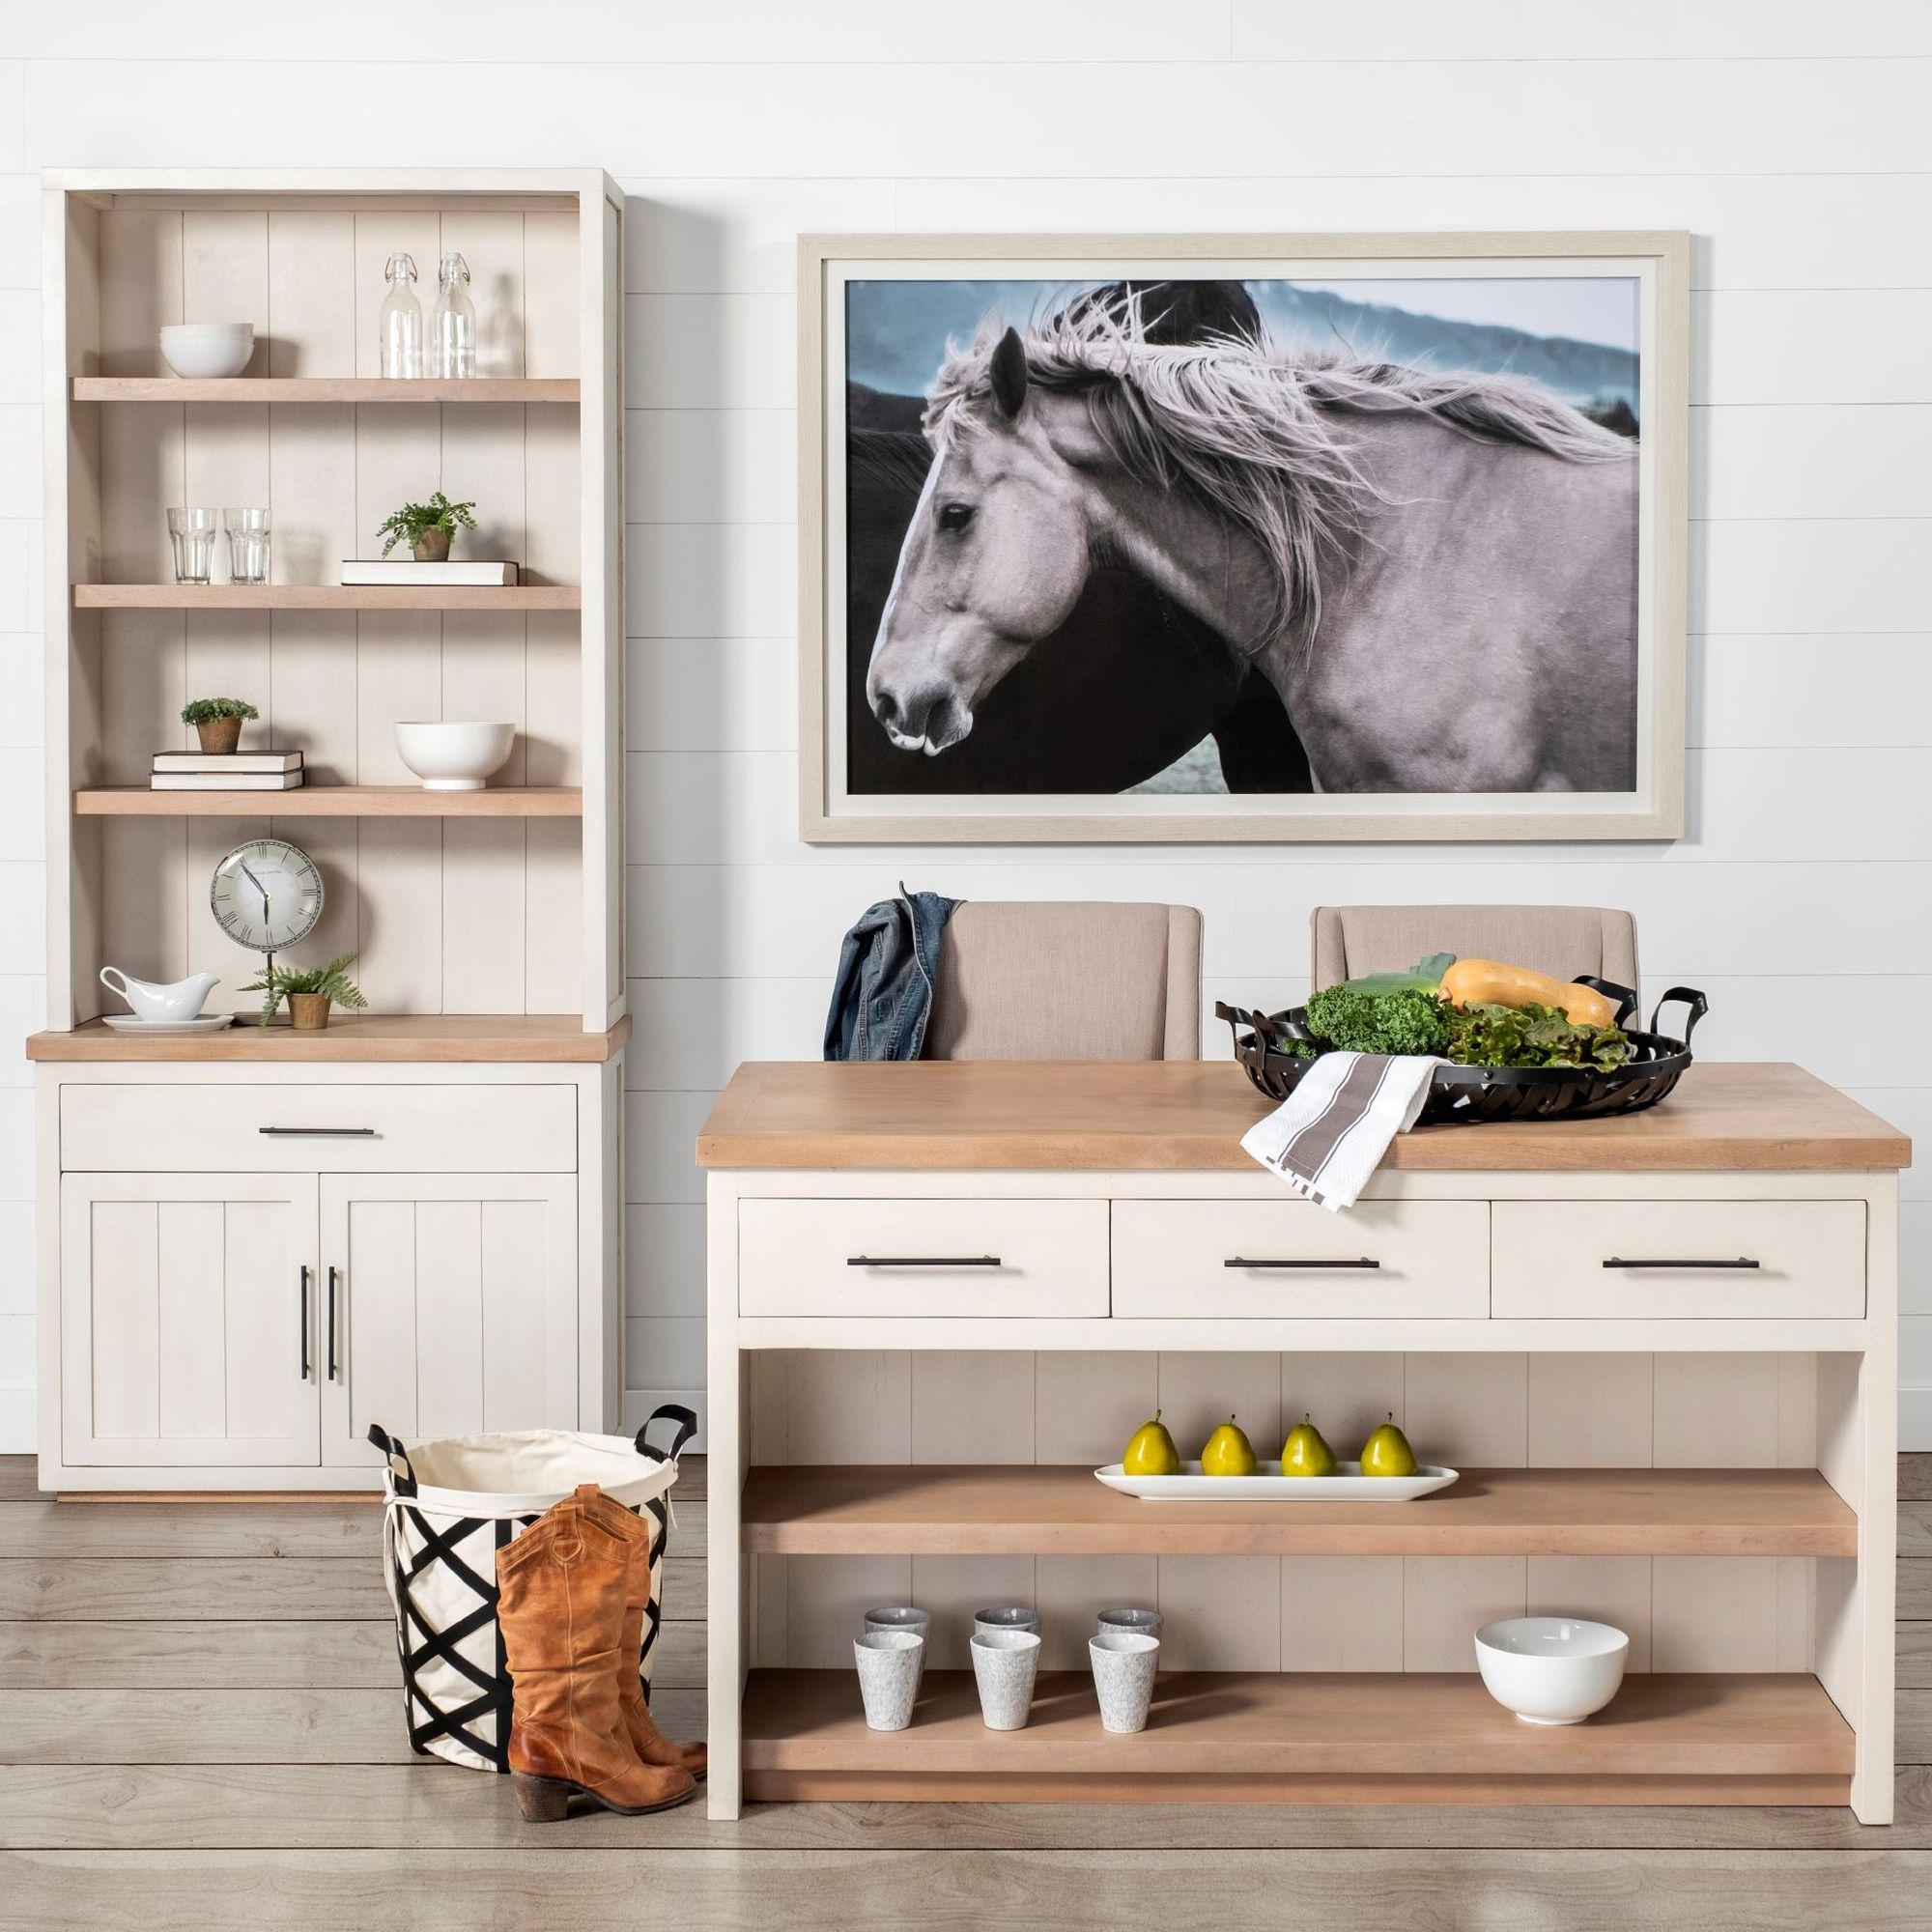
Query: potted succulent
[
  {"x": 309, "y": 992},
  {"x": 217, "y": 721},
  {"x": 426, "y": 528}
]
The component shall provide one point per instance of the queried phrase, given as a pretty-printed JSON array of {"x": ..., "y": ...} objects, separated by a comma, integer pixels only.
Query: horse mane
[{"x": 1241, "y": 427}]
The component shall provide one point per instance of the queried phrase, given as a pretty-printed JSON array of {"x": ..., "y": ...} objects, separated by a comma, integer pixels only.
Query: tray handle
[{"x": 1694, "y": 1001}]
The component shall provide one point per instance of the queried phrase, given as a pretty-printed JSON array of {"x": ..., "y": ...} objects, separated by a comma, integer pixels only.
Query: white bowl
[
  {"x": 453, "y": 757},
  {"x": 1551, "y": 1670},
  {"x": 196, "y": 350}
]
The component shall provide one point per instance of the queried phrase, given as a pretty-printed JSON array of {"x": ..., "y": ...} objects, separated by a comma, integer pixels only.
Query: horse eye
[{"x": 954, "y": 517}]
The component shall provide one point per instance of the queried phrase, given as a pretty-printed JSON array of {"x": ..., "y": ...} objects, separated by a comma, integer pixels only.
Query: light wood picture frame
[{"x": 1242, "y": 538}]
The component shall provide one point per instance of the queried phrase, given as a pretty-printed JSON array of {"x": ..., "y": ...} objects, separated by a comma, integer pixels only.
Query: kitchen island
[{"x": 1660, "y": 1348}]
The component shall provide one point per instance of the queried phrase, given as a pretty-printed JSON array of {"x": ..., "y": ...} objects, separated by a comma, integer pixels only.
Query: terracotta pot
[
  {"x": 308, "y": 1012},
  {"x": 432, "y": 546},
  {"x": 218, "y": 736}
]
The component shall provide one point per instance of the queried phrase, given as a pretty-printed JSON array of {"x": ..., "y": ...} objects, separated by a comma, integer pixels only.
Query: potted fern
[
  {"x": 426, "y": 528},
  {"x": 310, "y": 992},
  {"x": 217, "y": 721}
]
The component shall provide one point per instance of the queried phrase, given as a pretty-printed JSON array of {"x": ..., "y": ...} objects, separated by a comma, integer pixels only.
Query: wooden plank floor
[{"x": 199, "y": 1728}]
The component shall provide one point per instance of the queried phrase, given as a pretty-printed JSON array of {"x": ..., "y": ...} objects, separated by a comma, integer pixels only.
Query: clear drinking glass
[
  {"x": 193, "y": 532},
  {"x": 247, "y": 545},
  {"x": 452, "y": 334},
  {"x": 400, "y": 339}
]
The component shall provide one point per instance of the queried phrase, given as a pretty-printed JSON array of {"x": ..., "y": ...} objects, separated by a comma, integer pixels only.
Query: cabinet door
[
  {"x": 188, "y": 1319},
  {"x": 448, "y": 1306}
]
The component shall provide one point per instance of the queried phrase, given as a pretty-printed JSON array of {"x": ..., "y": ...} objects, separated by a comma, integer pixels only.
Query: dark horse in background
[{"x": 1126, "y": 685}]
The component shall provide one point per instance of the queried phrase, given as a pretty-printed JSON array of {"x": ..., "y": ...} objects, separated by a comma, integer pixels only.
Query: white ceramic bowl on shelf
[
  {"x": 453, "y": 756},
  {"x": 1551, "y": 1670},
  {"x": 199, "y": 350}
]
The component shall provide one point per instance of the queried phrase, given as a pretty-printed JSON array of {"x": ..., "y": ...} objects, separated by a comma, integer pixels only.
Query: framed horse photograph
[{"x": 1242, "y": 537}]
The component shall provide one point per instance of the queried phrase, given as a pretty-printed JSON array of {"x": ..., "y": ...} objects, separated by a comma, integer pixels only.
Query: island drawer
[
  {"x": 1679, "y": 1259},
  {"x": 360, "y": 1128},
  {"x": 1400, "y": 1259},
  {"x": 923, "y": 1257}
]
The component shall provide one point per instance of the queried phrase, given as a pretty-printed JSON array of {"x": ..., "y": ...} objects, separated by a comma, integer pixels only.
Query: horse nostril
[{"x": 886, "y": 708}]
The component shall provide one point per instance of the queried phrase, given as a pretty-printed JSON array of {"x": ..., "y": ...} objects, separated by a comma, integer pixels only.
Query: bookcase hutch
[{"x": 253, "y": 1243}]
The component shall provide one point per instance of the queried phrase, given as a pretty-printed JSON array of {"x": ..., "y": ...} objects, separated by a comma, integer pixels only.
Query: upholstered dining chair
[
  {"x": 1068, "y": 979},
  {"x": 1347, "y": 941}
]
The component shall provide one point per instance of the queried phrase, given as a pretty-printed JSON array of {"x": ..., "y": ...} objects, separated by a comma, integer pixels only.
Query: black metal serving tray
[{"x": 1656, "y": 1064}]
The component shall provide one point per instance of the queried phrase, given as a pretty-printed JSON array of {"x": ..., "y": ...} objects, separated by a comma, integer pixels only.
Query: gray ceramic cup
[
  {"x": 1144, "y": 1623},
  {"x": 1006, "y": 1617},
  {"x": 1005, "y": 1664},
  {"x": 903, "y": 1617},
  {"x": 889, "y": 1663},
  {"x": 1125, "y": 1662}
]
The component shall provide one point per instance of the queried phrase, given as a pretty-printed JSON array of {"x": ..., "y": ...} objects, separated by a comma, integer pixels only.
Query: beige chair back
[
  {"x": 1347, "y": 941},
  {"x": 1067, "y": 981}
]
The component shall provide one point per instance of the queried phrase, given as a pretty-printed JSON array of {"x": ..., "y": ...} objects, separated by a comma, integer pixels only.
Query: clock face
[{"x": 266, "y": 894}]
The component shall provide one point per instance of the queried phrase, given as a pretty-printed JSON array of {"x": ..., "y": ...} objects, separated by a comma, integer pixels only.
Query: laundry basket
[{"x": 449, "y": 1507}]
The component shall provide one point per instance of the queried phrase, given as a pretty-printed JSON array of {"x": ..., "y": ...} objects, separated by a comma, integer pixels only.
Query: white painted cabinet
[
  {"x": 188, "y": 1319},
  {"x": 448, "y": 1306}
]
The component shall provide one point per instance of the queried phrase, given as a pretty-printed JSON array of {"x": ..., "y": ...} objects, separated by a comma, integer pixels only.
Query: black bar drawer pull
[
  {"x": 1295, "y": 1261},
  {"x": 304, "y": 1322},
  {"x": 1742, "y": 1262},
  {"x": 323, "y": 1133},
  {"x": 922, "y": 1261},
  {"x": 333, "y": 1273}
]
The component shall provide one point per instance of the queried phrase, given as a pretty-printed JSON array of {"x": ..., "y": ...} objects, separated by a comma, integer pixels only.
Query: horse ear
[{"x": 1009, "y": 373}]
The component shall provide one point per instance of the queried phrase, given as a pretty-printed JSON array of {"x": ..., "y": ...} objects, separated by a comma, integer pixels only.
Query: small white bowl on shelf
[
  {"x": 197, "y": 351},
  {"x": 1551, "y": 1670},
  {"x": 453, "y": 756}
]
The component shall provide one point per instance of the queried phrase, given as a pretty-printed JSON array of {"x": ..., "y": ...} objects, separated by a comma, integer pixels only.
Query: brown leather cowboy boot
[
  {"x": 651, "y": 1744},
  {"x": 563, "y": 1588}
]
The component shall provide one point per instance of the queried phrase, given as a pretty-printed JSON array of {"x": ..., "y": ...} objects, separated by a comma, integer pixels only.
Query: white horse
[{"x": 1437, "y": 573}]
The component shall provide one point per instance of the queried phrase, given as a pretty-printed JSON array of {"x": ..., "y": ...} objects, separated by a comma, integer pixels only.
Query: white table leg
[{"x": 725, "y": 1453}]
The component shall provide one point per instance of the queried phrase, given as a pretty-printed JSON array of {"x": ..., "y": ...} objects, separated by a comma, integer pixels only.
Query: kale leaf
[{"x": 1407, "y": 1021}]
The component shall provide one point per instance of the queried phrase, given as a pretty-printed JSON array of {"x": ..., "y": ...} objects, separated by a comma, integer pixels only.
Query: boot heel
[{"x": 543, "y": 1801}]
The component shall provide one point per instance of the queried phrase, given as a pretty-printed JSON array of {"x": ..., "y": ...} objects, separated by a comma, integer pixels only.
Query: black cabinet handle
[
  {"x": 1742, "y": 1262},
  {"x": 1252, "y": 1262},
  {"x": 323, "y": 1133},
  {"x": 332, "y": 1275},
  {"x": 922, "y": 1261},
  {"x": 304, "y": 1323}
]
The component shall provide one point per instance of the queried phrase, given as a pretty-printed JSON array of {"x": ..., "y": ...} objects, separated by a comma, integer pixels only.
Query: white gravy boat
[{"x": 181, "y": 1000}]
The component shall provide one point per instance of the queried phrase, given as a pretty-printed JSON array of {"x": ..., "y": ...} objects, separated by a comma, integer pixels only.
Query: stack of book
[
  {"x": 476, "y": 571},
  {"x": 227, "y": 771}
]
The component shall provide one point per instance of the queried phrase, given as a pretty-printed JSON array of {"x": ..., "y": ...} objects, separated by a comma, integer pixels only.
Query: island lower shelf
[{"x": 1330, "y": 1737}]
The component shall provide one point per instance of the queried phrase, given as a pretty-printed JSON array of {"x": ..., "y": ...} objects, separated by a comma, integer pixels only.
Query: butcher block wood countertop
[{"x": 1191, "y": 1114}]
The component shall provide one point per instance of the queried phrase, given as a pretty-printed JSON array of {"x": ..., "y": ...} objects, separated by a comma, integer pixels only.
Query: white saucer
[{"x": 205, "y": 1023}]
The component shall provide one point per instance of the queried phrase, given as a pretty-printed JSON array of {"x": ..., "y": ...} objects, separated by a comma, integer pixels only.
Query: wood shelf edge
[
  {"x": 333, "y": 802},
  {"x": 323, "y": 389},
  {"x": 515, "y": 1039}
]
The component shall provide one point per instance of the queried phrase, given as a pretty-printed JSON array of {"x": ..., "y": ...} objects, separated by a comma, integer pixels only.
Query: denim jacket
[{"x": 882, "y": 996}]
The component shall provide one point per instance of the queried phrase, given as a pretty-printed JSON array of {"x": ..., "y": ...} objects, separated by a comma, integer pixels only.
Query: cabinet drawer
[
  {"x": 359, "y": 1129},
  {"x": 1291, "y": 1258},
  {"x": 1666, "y": 1260},
  {"x": 914, "y": 1257}
]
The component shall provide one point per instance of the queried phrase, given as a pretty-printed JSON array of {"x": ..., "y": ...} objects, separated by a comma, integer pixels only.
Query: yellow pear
[
  {"x": 1227, "y": 1452},
  {"x": 1386, "y": 1452},
  {"x": 1150, "y": 1450},
  {"x": 1305, "y": 1453}
]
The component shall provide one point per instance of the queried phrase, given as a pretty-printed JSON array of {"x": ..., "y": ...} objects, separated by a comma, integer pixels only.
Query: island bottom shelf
[{"x": 1305, "y": 1738}]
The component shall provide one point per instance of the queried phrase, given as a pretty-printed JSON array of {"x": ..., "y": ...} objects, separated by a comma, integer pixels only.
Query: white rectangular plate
[{"x": 1347, "y": 1485}]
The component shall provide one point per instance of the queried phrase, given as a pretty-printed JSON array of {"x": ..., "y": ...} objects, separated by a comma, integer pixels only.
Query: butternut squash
[{"x": 1489, "y": 983}]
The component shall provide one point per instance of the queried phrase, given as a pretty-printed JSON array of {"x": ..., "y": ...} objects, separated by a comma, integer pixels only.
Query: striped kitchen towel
[{"x": 1327, "y": 1137}]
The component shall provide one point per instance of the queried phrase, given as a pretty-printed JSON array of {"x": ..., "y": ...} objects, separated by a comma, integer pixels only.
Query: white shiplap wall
[{"x": 1790, "y": 138}]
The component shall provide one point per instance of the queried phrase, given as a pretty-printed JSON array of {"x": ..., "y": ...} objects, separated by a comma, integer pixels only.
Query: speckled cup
[
  {"x": 1125, "y": 1662},
  {"x": 1005, "y": 1664},
  {"x": 903, "y": 1617},
  {"x": 1006, "y": 1617},
  {"x": 889, "y": 1663},
  {"x": 1143, "y": 1623}
]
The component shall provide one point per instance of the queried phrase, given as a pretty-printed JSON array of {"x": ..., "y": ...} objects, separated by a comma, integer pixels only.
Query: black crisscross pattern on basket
[{"x": 481, "y": 1723}]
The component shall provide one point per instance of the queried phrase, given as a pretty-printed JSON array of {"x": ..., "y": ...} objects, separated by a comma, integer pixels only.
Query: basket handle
[
  {"x": 687, "y": 1428},
  {"x": 1693, "y": 999},
  {"x": 1623, "y": 996},
  {"x": 393, "y": 1453}
]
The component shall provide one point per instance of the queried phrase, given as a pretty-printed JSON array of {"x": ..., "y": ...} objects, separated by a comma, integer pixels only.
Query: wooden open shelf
[
  {"x": 323, "y": 389},
  {"x": 1061, "y": 1511},
  {"x": 499, "y": 1038},
  {"x": 333, "y": 802},
  {"x": 507, "y": 597},
  {"x": 1340, "y": 1737}
]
